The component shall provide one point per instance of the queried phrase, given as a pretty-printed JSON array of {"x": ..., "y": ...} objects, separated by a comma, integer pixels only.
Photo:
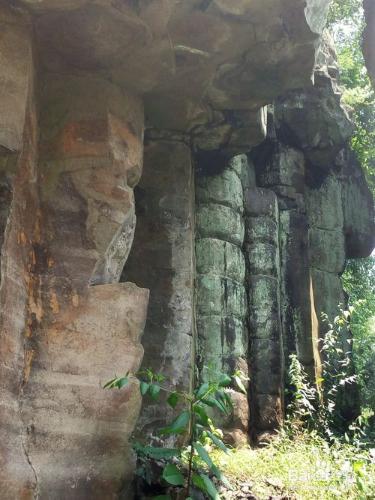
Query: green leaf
[
  {"x": 122, "y": 382},
  {"x": 144, "y": 387},
  {"x": 162, "y": 497},
  {"x": 118, "y": 382},
  {"x": 110, "y": 384},
  {"x": 358, "y": 466},
  {"x": 225, "y": 380},
  {"x": 198, "y": 482},
  {"x": 210, "y": 487},
  {"x": 172, "y": 475},
  {"x": 225, "y": 399},
  {"x": 202, "y": 390},
  {"x": 228, "y": 400},
  {"x": 203, "y": 453},
  {"x": 154, "y": 391},
  {"x": 201, "y": 412},
  {"x": 213, "y": 402},
  {"x": 240, "y": 384},
  {"x": 173, "y": 399},
  {"x": 218, "y": 442},
  {"x": 178, "y": 425},
  {"x": 157, "y": 453}
]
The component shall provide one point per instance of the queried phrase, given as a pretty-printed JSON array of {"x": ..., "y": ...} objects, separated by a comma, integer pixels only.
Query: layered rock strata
[
  {"x": 162, "y": 261},
  {"x": 70, "y": 226},
  {"x": 264, "y": 320},
  {"x": 236, "y": 254},
  {"x": 221, "y": 303}
]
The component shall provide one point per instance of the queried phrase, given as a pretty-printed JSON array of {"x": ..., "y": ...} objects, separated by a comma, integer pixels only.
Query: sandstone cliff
[{"x": 210, "y": 132}]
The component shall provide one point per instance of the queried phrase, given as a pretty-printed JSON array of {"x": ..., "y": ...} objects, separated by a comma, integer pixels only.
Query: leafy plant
[
  {"x": 344, "y": 11},
  {"x": 303, "y": 397},
  {"x": 193, "y": 427},
  {"x": 302, "y": 466},
  {"x": 346, "y": 23},
  {"x": 321, "y": 407},
  {"x": 359, "y": 283}
]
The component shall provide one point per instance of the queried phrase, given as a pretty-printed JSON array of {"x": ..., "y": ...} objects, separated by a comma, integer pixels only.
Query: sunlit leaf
[
  {"x": 218, "y": 442},
  {"x": 240, "y": 384},
  {"x": 210, "y": 487},
  {"x": 204, "y": 455},
  {"x": 110, "y": 384}
]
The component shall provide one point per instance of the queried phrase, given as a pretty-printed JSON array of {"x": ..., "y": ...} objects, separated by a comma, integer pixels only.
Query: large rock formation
[{"x": 240, "y": 253}]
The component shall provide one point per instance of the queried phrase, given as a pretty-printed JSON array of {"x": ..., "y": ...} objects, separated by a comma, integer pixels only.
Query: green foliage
[
  {"x": 344, "y": 12},
  {"x": 117, "y": 382},
  {"x": 186, "y": 465},
  {"x": 359, "y": 283},
  {"x": 346, "y": 23},
  {"x": 172, "y": 475},
  {"x": 304, "y": 467},
  {"x": 359, "y": 96},
  {"x": 320, "y": 409},
  {"x": 303, "y": 398}
]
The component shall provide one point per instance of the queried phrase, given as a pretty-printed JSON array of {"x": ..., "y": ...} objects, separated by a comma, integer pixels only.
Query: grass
[{"x": 304, "y": 467}]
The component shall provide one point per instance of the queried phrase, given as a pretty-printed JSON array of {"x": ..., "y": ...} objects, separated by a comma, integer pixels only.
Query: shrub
[{"x": 189, "y": 464}]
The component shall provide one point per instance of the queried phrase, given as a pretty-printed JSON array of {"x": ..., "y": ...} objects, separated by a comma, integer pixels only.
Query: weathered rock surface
[
  {"x": 263, "y": 281},
  {"x": 240, "y": 256},
  {"x": 70, "y": 225},
  {"x": 221, "y": 303},
  {"x": 193, "y": 60},
  {"x": 162, "y": 261},
  {"x": 313, "y": 119}
]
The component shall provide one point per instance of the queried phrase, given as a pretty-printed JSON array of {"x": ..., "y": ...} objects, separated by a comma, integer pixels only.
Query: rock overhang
[{"x": 193, "y": 61}]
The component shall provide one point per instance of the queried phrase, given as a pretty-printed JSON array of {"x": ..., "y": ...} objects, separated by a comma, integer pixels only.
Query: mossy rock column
[
  {"x": 221, "y": 303},
  {"x": 282, "y": 169},
  {"x": 263, "y": 280}
]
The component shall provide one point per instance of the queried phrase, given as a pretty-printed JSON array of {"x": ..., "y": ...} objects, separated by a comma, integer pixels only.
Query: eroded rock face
[
  {"x": 264, "y": 318},
  {"x": 313, "y": 119},
  {"x": 235, "y": 251},
  {"x": 193, "y": 60},
  {"x": 162, "y": 261},
  {"x": 297, "y": 203},
  {"x": 69, "y": 226},
  {"x": 221, "y": 303}
]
